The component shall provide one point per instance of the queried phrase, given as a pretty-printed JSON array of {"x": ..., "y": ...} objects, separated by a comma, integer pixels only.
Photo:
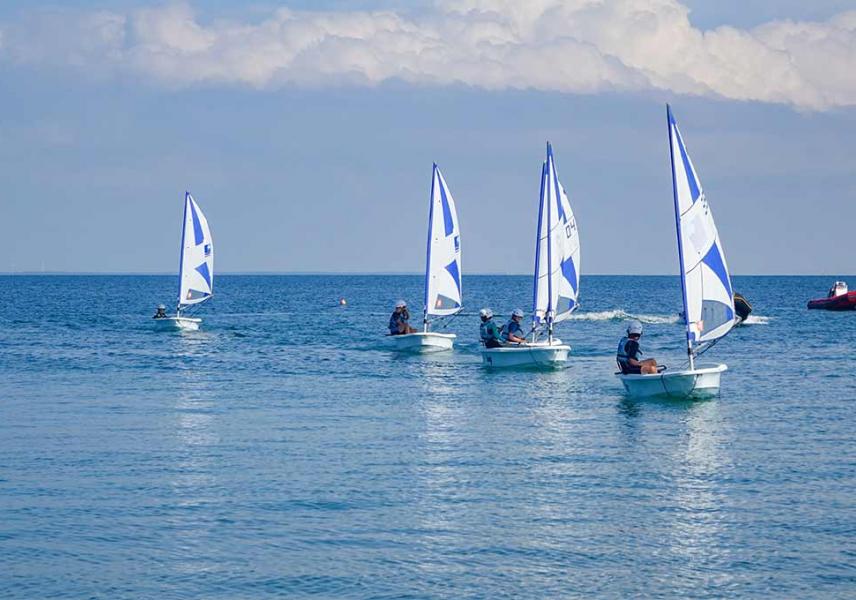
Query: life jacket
[
  {"x": 489, "y": 331},
  {"x": 512, "y": 327},
  {"x": 394, "y": 320},
  {"x": 622, "y": 357}
]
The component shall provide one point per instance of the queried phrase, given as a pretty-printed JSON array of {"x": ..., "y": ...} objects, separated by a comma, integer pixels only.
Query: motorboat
[{"x": 838, "y": 298}]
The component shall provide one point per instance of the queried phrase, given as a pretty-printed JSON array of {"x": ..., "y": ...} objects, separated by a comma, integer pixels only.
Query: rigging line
[
  {"x": 708, "y": 346},
  {"x": 668, "y": 393},
  {"x": 448, "y": 319}
]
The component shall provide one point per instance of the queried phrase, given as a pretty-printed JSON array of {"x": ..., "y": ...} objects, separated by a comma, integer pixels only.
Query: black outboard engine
[{"x": 741, "y": 307}]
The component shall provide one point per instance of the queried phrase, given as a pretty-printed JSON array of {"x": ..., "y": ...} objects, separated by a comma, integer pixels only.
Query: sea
[{"x": 284, "y": 451}]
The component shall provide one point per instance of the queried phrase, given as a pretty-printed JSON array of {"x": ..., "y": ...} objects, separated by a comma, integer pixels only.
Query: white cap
[
  {"x": 486, "y": 313},
  {"x": 401, "y": 304},
  {"x": 517, "y": 313},
  {"x": 161, "y": 306},
  {"x": 634, "y": 328}
]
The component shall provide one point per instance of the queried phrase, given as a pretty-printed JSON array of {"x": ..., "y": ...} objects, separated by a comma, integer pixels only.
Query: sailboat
[
  {"x": 195, "y": 270},
  {"x": 557, "y": 278},
  {"x": 442, "y": 272},
  {"x": 706, "y": 285}
]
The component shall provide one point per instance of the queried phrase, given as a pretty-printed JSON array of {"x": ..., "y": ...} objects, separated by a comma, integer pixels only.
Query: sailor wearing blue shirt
[
  {"x": 490, "y": 334},
  {"x": 513, "y": 331},
  {"x": 629, "y": 354},
  {"x": 399, "y": 320}
]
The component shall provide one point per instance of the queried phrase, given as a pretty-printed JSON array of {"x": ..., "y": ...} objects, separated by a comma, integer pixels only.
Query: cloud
[{"x": 574, "y": 46}]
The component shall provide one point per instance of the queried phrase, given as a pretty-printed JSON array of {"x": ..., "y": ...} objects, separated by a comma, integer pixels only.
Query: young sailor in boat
[
  {"x": 513, "y": 332},
  {"x": 490, "y": 334},
  {"x": 161, "y": 312},
  {"x": 629, "y": 353},
  {"x": 399, "y": 321}
]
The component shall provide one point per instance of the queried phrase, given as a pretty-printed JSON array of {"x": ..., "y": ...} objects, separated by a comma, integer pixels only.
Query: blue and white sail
[
  {"x": 196, "y": 269},
  {"x": 443, "y": 265},
  {"x": 557, "y": 251},
  {"x": 708, "y": 295}
]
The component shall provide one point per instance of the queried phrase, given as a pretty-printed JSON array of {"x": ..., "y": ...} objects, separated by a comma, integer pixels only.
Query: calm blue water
[{"x": 281, "y": 452}]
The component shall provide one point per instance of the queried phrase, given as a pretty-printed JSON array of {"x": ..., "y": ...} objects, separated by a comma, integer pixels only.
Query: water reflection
[
  {"x": 683, "y": 443},
  {"x": 194, "y": 481},
  {"x": 443, "y": 488},
  {"x": 696, "y": 530}
]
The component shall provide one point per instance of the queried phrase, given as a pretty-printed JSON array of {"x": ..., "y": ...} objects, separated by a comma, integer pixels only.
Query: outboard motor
[{"x": 741, "y": 307}]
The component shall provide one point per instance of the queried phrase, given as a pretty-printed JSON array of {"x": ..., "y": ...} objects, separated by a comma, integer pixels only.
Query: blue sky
[{"x": 323, "y": 162}]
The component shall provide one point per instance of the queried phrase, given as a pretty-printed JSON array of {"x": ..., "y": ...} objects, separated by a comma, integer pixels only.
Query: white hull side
[
  {"x": 424, "y": 342},
  {"x": 177, "y": 324},
  {"x": 699, "y": 383},
  {"x": 539, "y": 354}
]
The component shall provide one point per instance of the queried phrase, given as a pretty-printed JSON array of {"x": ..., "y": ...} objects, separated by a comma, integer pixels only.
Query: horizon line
[{"x": 370, "y": 273}]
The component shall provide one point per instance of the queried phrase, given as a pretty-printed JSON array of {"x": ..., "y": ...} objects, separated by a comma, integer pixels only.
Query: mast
[
  {"x": 181, "y": 253},
  {"x": 428, "y": 249},
  {"x": 549, "y": 316},
  {"x": 538, "y": 250},
  {"x": 669, "y": 122}
]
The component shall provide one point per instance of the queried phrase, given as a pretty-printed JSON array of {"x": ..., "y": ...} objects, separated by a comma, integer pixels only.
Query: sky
[{"x": 306, "y": 130}]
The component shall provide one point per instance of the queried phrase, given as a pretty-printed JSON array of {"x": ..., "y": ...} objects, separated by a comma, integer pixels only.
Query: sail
[
  {"x": 708, "y": 296},
  {"x": 196, "y": 271},
  {"x": 557, "y": 253},
  {"x": 443, "y": 262}
]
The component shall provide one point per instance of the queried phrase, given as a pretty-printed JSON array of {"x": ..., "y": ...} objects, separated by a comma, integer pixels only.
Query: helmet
[
  {"x": 401, "y": 304},
  {"x": 161, "y": 307},
  {"x": 634, "y": 328},
  {"x": 517, "y": 313},
  {"x": 485, "y": 313}
]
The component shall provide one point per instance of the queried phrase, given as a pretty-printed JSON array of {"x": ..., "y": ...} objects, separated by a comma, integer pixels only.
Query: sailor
[
  {"x": 629, "y": 354},
  {"x": 399, "y": 320},
  {"x": 490, "y": 334},
  {"x": 513, "y": 332},
  {"x": 161, "y": 312}
]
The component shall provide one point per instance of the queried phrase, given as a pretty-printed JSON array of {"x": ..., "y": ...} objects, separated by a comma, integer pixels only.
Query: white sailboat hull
[
  {"x": 538, "y": 354},
  {"x": 424, "y": 341},
  {"x": 178, "y": 324},
  {"x": 696, "y": 383}
]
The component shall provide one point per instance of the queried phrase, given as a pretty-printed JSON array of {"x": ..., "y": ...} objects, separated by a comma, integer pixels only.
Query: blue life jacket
[
  {"x": 394, "y": 320},
  {"x": 624, "y": 354},
  {"x": 512, "y": 327}
]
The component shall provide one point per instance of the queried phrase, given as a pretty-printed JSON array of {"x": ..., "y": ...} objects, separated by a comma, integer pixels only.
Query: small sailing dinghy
[
  {"x": 707, "y": 293},
  {"x": 557, "y": 279},
  {"x": 196, "y": 268},
  {"x": 442, "y": 272}
]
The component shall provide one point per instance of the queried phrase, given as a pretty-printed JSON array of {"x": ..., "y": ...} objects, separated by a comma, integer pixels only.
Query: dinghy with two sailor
[
  {"x": 556, "y": 282},
  {"x": 196, "y": 269},
  {"x": 705, "y": 283},
  {"x": 443, "y": 297}
]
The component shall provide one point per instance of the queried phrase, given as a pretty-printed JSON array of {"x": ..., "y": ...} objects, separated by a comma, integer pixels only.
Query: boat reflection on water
[
  {"x": 682, "y": 443},
  {"x": 697, "y": 532}
]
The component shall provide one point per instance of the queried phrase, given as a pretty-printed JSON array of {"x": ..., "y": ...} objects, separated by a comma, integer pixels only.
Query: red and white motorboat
[{"x": 839, "y": 298}]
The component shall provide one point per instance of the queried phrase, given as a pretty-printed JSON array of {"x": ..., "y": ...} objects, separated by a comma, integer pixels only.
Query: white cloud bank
[{"x": 576, "y": 46}]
